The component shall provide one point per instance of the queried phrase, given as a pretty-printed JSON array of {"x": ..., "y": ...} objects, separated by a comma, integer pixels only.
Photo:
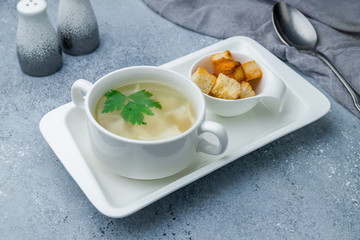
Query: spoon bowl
[
  {"x": 295, "y": 30},
  {"x": 294, "y": 27}
]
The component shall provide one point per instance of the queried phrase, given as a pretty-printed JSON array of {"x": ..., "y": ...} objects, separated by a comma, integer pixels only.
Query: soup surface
[{"x": 175, "y": 117}]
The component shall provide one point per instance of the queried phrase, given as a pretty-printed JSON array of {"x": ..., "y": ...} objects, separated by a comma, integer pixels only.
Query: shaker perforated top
[{"x": 31, "y": 7}]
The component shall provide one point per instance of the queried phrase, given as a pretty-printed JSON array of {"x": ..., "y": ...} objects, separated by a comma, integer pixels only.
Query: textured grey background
[{"x": 302, "y": 186}]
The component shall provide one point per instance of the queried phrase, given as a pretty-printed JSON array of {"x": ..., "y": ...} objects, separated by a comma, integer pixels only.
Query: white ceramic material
[
  {"x": 269, "y": 89},
  {"x": 64, "y": 128},
  {"x": 141, "y": 159},
  {"x": 77, "y": 27},
  {"x": 37, "y": 46}
]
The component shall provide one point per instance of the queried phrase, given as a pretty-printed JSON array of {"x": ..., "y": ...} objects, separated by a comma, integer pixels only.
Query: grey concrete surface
[{"x": 303, "y": 186}]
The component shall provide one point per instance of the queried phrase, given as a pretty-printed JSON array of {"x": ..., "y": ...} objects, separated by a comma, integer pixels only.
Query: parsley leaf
[
  {"x": 115, "y": 100},
  {"x": 132, "y": 107},
  {"x": 143, "y": 97}
]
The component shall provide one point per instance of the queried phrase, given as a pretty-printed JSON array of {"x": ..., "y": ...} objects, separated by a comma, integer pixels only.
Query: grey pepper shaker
[
  {"x": 37, "y": 46},
  {"x": 77, "y": 27}
]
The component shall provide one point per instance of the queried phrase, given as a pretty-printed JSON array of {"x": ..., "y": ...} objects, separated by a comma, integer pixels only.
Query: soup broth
[{"x": 175, "y": 117}]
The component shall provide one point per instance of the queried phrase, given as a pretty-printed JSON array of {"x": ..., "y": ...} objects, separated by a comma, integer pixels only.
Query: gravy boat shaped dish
[{"x": 269, "y": 89}]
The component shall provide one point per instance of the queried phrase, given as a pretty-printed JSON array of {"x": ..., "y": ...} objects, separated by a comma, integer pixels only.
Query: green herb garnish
[{"x": 132, "y": 107}]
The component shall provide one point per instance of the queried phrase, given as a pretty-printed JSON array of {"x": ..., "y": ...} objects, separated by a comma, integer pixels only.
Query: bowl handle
[
  {"x": 219, "y": 131},
  {"x": 78, "y": 88},
  {"x": 273, "y": 95}
]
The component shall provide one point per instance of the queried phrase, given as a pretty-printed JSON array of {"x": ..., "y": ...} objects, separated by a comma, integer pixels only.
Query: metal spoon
[{"x": 294, "y": 29}]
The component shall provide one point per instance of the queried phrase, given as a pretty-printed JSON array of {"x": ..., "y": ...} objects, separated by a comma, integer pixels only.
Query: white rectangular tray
[{"x": 64, "y": 128}]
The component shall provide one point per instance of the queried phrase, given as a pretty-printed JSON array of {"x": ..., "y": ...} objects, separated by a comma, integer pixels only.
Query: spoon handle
[{"x": 353, "y": 93}]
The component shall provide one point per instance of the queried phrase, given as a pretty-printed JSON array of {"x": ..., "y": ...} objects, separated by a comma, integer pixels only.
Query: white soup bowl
[{"x": 142, "y": 159}]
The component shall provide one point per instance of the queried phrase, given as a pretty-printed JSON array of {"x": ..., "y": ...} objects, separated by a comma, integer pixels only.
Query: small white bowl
[{"x": 269, "y": 89}]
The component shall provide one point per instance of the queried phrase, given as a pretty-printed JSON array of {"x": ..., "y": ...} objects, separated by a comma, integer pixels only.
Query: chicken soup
[{"x": 145, "y": 111}]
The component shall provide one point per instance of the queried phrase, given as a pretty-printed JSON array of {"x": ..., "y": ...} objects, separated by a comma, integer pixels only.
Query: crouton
[
  {"x": 246, "y": 90},
  {"x": 238, "y": 73},
  {"x": 230, "y": 68},
  {"x": 252, "y": 70},
  {"x": 226, "y": 67},
  {"x": 226, "y": 88},
  {"x": 203, "y": 79},
  {"x": 226, "y": 55}
]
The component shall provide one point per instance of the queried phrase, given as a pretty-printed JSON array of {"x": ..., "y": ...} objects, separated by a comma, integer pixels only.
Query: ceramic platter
[{"x": 64, "y": 129}]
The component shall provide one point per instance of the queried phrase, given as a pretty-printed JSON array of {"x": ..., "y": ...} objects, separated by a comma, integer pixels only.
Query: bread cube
[
  {"x": 230, "y": 68},
  {"x": 224, "y": 66},
  {"x": 252, "y": 70},
  {"x": 226, "y": 88},
  {"x": 226, "y": 55},
  {"x": 238, "y": 73},
  {"x": 203, "y": 79},
  {"x": 246, "y": 90}
]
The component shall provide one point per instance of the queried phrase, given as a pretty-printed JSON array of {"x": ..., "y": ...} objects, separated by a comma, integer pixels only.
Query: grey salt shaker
[
  {"x": 37, "y": 46},
  {"x": 77, "y": 27}
]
